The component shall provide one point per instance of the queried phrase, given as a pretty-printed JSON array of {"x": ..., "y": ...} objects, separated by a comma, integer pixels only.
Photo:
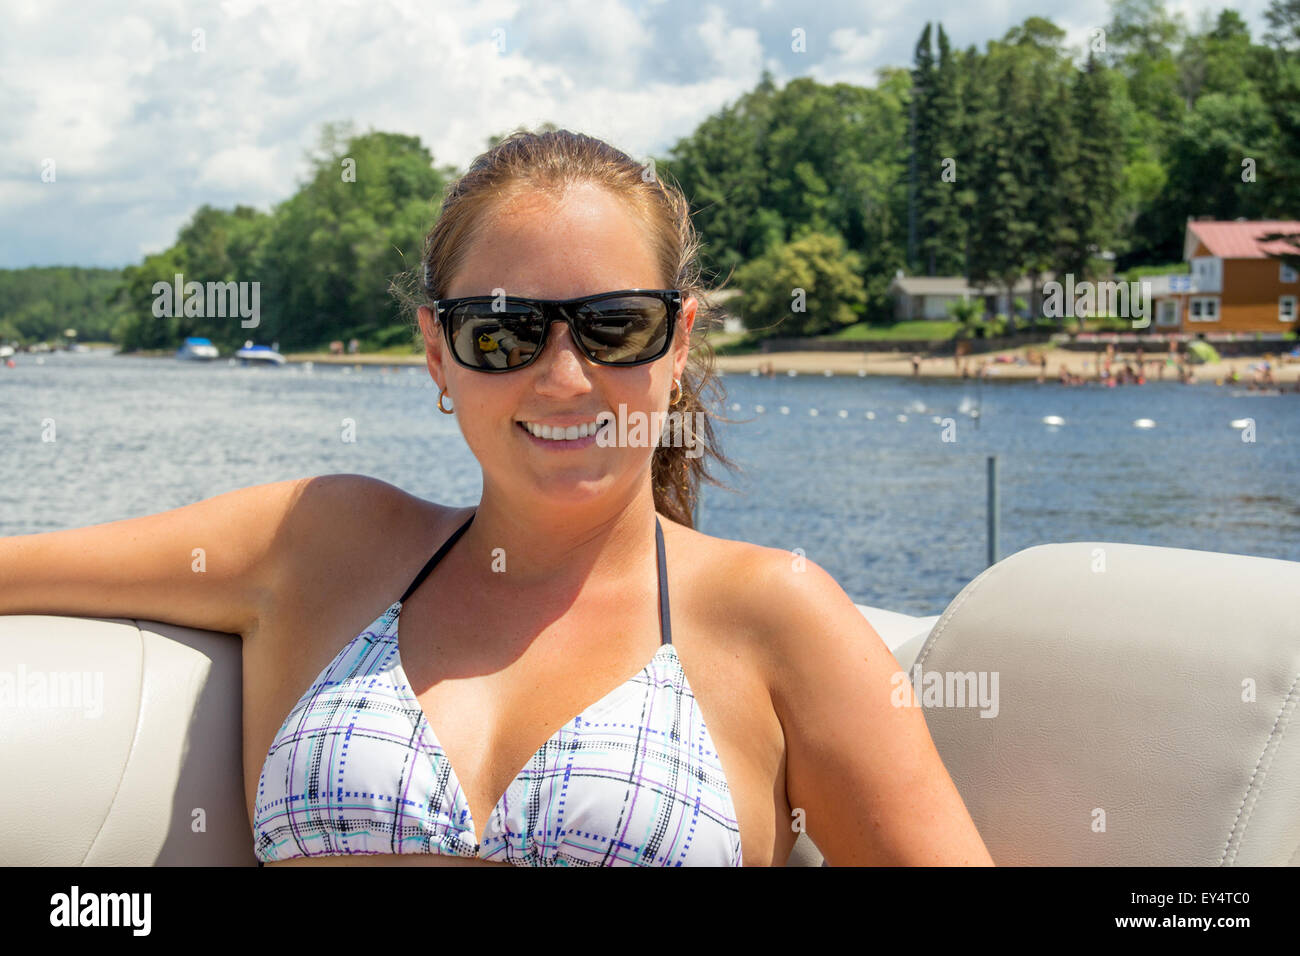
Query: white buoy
[
  {"x": 785, "y": 409},
  {"x": 828, "y": 373},
  {"x": 1239, "y": 423},
  {"x": 871, "y": 416},
  {"x": 843, "y": 413},
  {"x": 760, "y": 409},
  {"x": 812, "y": 411},
  {"x": 753, "y": 372},
  {"x": 862, "y": 373},
  {"x": 1053, "y": 420},
  {"x": 936, "y": 419},
  {"x": 735, "y": 406},
  {"x": 1144, "y": 423},
  {"x": 902, "y": 418},
  {"x": 791, "y": 372}
]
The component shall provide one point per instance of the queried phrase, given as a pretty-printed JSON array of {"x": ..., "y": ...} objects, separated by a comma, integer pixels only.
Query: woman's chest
[{"x": 587, "y": 725}]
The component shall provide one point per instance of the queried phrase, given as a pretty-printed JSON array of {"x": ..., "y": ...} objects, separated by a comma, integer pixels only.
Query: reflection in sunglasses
[{"x": 617, "y": 332}]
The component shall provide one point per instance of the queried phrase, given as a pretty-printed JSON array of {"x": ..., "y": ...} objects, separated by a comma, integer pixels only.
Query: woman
[{"x": 524, "y": 639}]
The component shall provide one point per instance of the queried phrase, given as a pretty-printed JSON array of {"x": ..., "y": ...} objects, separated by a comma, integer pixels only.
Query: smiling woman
[{"x": 571, "y": 675}]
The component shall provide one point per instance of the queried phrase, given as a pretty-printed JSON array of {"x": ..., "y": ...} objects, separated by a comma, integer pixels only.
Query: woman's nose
[{"x": 561, "y": 356}]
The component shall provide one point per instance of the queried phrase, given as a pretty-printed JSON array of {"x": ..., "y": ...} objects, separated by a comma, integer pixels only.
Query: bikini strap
[
  {"x": 665, "y": 619},
  {"x": 665, "y": 615},
  {"x": 438, "y": 556}
]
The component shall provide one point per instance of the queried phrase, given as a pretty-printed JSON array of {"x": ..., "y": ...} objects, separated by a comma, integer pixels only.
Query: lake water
[{"x": 895, "y": 513}]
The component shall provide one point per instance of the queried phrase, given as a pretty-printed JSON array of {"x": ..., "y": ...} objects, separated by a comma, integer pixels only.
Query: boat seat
[{"x": 1145, "y": 716}]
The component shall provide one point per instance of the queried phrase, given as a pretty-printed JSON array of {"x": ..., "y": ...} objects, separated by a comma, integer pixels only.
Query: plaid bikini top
[{"x": 633, "y": 780}]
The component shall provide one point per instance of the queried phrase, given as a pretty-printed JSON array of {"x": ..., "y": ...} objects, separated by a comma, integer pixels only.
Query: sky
[{"x": 150, "y": 108}]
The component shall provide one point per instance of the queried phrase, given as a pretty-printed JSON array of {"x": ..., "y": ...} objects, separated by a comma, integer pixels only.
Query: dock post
[{"x": 993, "y": 510}]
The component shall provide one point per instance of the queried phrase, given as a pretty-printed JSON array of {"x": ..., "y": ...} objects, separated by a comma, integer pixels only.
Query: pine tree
[
  {"x": 1001, "y": 230},
  {"x": 1095, "y": 184},
  {"x": 922, "y": 148}
]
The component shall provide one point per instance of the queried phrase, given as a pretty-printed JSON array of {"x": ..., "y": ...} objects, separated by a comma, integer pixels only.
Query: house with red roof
[{"x": 1235, "y": 283}]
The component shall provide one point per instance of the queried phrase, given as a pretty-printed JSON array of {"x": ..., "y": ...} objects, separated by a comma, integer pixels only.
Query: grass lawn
[
  {"x": 416, "y": 348},
  {"x": 938, "y": 330}
]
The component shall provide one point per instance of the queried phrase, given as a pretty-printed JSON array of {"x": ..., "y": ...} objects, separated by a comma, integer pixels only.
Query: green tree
[
  {"x": 335, "y": 244},
  {"x": 1283, "y": 17},
  {"x": 1096, "y": 182},
  {"x": 937, "y": 226},
  {"x": 807, "y": 156},
  {"x": 808, "y": 286},
  {"x": 1002, "y": 233}
]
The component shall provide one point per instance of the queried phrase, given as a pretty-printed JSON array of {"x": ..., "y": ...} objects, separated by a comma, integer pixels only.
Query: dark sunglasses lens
[
  {"x": 486, "y": 339},
  {"x": 625, "y": 330}
]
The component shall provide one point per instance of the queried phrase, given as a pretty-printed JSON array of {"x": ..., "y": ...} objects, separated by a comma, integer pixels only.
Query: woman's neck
[{"x": 539, "y": 546}]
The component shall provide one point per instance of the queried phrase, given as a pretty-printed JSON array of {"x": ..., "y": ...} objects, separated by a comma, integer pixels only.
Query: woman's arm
[
  {"x": 864, "y": 771},
  {"x": 205, "y": 565}
]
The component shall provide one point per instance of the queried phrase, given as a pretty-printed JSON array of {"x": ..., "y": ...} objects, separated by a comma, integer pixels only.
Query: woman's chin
[{"x": 568, "y": 487}]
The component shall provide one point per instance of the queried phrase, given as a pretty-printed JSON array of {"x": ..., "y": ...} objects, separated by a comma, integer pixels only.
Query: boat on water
[
  {"x": 252, "y": 354},
  {"x": 195, "y": 349}
]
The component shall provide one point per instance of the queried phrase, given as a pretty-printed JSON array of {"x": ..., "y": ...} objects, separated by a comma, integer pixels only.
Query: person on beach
[
  {"x": 672, "y": 698},
  {"x": 916, "y": 364}
]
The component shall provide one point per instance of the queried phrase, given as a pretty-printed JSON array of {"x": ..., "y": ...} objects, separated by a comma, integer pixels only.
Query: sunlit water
[{"x": 895, "y": 513}]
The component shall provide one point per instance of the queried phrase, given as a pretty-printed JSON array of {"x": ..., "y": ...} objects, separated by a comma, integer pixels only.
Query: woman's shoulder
[
  {"x": 328, "y": 503},
  {"x": 772, "y": 596},
  {"x": 356, "y": 528}
]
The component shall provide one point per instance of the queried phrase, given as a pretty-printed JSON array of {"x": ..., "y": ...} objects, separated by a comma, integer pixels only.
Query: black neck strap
[{"x": 665, "y": 616}]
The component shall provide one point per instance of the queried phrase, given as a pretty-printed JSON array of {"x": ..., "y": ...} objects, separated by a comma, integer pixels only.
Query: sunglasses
[{"x": 503, "y": 333}]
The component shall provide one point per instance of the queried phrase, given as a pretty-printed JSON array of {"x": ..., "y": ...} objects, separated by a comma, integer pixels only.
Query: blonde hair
[{"x": 550, "y": 163}]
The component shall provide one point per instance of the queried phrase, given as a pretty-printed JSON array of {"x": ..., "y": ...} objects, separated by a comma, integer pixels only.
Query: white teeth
[{"x": 557, "y": 433}]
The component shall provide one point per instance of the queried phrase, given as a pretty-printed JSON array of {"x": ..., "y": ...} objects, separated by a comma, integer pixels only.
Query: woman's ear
[
  {"x": 685, "y": 323},
  {"x": 432, "y": 344}
]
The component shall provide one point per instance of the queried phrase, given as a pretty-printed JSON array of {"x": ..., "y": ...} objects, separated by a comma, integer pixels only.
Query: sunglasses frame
[{"x": 558, "y": 310}]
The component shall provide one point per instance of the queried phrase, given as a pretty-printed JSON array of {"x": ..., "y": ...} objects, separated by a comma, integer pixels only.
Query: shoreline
[{"x": 899, "y": 365}]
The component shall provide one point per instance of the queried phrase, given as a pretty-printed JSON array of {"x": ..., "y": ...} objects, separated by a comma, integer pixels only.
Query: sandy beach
[{"x": 1000, "y": 365}]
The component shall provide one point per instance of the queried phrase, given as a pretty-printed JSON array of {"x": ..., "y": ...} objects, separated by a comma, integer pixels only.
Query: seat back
[
  {"x": 121, "y": 743},
  {"x": 1146, "y": 706}
]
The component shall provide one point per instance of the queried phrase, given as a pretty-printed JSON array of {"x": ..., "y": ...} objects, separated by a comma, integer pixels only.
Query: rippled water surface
[{"x": 889, "y": 508}]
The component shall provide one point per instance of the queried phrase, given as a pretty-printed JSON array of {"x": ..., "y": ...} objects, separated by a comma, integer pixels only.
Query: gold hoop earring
[
  {"x": 445, "y": 411},
  {"x": 673, "y": 401}
]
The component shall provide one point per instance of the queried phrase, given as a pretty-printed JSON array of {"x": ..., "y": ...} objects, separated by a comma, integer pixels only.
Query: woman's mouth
[{"x": 561, "y": 437}]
